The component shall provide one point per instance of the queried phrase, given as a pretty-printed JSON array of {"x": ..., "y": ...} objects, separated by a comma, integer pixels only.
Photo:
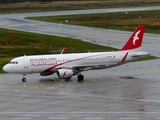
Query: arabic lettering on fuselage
[{"x": 42, "y": 61}]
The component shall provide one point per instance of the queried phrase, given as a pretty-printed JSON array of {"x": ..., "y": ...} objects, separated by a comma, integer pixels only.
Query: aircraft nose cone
[{"x": 5, "y": 68}]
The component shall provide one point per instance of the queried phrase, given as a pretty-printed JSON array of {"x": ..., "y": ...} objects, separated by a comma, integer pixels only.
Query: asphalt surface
[
  {"x": 129, "y": 91},
  {"x": 126, "y": 92}
]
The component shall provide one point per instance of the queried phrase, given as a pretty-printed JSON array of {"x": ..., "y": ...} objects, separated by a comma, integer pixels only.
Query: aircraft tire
[
  {"x": 80, "y": 77},
  {"x": 68, "y": 79},
  {"x": 23, "y": 79}
]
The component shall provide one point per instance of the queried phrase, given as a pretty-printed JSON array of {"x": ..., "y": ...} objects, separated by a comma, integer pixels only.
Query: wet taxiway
[{"x": 130, "y": 91}]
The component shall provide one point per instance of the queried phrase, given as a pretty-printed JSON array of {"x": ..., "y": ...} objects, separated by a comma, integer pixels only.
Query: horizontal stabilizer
[{"x": 139, "y": 54}]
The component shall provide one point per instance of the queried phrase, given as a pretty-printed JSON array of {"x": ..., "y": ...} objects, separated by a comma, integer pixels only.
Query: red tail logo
[
  {"x": 136, "y": 37},
  {"x": 135, "y": 41}
]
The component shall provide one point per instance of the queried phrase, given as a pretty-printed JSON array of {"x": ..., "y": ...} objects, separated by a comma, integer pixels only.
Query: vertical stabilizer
[{"x": 135, "y": 41}]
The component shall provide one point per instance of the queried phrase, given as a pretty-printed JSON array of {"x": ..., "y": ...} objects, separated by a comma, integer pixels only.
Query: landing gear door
[{"x": 26, "y": 64}]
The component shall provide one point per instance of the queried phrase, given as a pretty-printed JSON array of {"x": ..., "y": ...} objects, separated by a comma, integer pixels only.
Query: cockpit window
[{"x": 13, "y": 62}]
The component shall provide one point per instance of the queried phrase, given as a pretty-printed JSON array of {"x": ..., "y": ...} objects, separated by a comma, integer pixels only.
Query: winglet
[
  {"x": 63, "y": 51},
  {"x": 135, "y": 41}
]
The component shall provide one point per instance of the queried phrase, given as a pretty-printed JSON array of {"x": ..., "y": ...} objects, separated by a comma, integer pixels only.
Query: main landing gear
[
  {"x": 80, "y": 77},
  {"x": 24, "y": 78}
]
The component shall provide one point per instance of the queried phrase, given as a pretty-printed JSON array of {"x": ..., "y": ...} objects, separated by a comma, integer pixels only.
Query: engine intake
[{"x": 65, "y": 73}]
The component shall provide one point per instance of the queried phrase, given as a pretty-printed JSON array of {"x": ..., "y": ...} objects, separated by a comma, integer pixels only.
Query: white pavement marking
[
  {"x": 129, "y": 118},
  {"x": 22, "y": 118},
  {"x": 93, "y": 118},
  {"x": 82, "y": 115},
  {"x": 57, "y": 118},
  {"x": 30, "y": 115},
  {"x": 77, "y": 112}
]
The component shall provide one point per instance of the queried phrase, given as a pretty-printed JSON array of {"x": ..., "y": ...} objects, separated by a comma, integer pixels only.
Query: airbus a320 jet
[{"x": 68, "y": 65}]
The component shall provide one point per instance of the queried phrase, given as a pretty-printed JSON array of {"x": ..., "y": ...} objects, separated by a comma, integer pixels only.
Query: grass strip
[{"x": 126, "y": 21}]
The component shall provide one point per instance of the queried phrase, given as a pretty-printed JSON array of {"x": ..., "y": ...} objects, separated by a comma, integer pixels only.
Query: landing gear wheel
[
  {"x": 80, "y": 77},
  {"x": 23, "y": 79},
  {"x": 68, "y": 79}
]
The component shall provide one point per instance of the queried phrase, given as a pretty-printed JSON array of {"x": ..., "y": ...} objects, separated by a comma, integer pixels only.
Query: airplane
[{"x": 68, "y": 65}]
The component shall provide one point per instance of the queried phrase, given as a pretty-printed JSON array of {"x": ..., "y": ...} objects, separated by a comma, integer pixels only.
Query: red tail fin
[{"x": 135, "y": 41}]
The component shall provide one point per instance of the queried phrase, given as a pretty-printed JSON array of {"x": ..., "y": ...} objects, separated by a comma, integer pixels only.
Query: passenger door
[{"x": 26, "y": 64}]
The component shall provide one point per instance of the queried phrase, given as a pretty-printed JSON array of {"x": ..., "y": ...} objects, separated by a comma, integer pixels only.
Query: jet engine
[{"x": 65, "y": 73}]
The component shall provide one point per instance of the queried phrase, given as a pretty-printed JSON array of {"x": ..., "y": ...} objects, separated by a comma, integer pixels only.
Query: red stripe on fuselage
[
  {"x": 49, "y": 69},
  {"x": 124, "y": 58}
]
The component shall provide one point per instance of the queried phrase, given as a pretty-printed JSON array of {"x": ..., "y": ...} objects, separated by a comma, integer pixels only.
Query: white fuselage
[{"x": 84, "y": 61}]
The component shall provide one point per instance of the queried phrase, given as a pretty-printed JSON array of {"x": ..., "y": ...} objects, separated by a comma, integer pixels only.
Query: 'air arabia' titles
[{"x": 43, "y": 61}]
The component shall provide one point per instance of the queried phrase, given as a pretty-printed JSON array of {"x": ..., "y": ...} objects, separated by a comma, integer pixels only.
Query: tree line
[{"x": 19, "y": 1}]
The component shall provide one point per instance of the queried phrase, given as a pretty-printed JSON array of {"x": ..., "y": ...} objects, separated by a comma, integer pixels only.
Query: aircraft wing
[{"x": 90, "y": 67}]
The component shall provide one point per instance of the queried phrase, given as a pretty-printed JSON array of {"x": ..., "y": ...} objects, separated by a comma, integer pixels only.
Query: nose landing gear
[{"x": 24, "y": 78}]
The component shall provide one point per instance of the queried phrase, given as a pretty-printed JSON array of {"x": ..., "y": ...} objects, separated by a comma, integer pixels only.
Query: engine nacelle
[{"x": 65, "y": 73}]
